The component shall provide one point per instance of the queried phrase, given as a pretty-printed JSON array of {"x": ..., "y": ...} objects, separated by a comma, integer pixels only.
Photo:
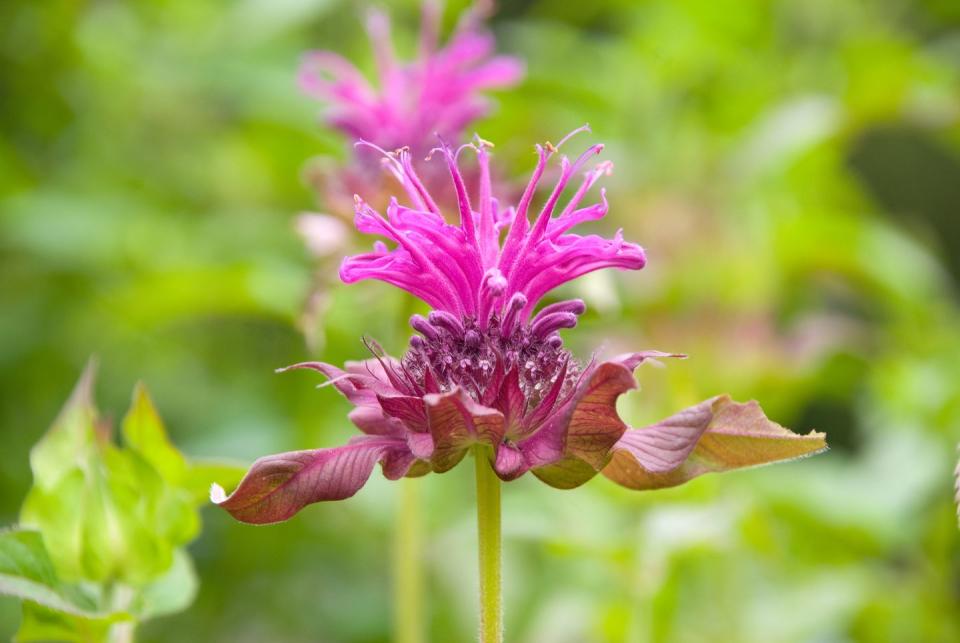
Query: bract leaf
[
  {"x": 278, "y": 486},
  {"x": 715, "y": 435}
]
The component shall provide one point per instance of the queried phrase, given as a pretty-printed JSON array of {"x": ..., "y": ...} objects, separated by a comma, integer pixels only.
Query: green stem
[
  {"x": 488, "y": 536},
  {"x": 407, "y": 566},
  {"x": 121, "y": 596}
]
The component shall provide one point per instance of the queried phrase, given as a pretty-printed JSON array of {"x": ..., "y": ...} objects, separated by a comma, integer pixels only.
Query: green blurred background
[{"x": 792, "y": 168}]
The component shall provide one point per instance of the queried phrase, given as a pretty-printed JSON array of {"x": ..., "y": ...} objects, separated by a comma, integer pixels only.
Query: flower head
[
  {"x": 437, "y": 92},
  {"x": 486, "y": 366}
]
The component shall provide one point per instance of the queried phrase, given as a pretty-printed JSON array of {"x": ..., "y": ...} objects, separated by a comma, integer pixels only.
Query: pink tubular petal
[
  {"x": 956, "y": 487},
  {"x": 573, "y": 256},
  {"x": 418, "y": 265},
  {"x": 715, "y": 435},
  {"x": 278, "y": 486},
  {"x": 378, "y": 28},
  {"x": 463, "y": 201},
  {"x": 489, "y": 238},
  {"x": 568, "y": 170},
  {"x": 500, "y": 72},
  {"x": 465, "y": 270},
  {"x": 520, "y": 226}
]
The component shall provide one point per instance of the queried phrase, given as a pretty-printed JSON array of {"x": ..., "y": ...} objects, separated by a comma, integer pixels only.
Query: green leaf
[
  {"x": 111, "y": 523},
  {"x": 28, "y": 573},
  {"x": 58, "y": 611},
  {"x": 144, "y": 433},
  {"x": 67, "y": 443},
  {"x": 42, "y": 624},
  {"x": 172, "y": 592}
]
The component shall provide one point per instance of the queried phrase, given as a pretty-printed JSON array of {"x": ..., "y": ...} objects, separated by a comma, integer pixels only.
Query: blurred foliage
[
  {"x": 791, "y": 168},
  {"x": 100, "y": 542}
]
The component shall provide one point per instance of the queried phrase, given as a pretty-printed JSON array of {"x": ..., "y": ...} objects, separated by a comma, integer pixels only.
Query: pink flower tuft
[
  {"x": 439, "y": 92},
  {"x": 465, "y": 269}
]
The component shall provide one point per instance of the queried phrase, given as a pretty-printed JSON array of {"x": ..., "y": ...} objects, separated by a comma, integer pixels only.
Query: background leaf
[
  {"x": 27, "y": 572},
  {"x": 115, "y": 519}
]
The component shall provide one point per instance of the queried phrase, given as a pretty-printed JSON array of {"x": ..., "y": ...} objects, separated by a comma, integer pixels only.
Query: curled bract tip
[{"x": 217, "y": 494}]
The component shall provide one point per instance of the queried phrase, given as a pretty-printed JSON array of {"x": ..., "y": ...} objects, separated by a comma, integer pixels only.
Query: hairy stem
[
  {"x": 408, "y": 566},
  {"x": 488, "y": 536}
]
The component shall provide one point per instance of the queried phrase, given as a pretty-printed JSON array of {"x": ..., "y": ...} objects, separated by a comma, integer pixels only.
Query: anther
[
  {"x": 471, "y": 339},
  {"x": 422, "y": 326},
  {"x": 546, "y": 324},
  {"x": 443, "y": 319},
  {"x": 575, "y": 306},
  {"x": 515, "y": 305}
]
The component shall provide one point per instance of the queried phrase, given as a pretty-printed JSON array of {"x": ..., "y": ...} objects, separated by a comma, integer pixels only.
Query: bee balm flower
[
  {"x": 488, "y": 367},
  {"x": 440, "y": 91},
  {"x": 437, "y": 92}
]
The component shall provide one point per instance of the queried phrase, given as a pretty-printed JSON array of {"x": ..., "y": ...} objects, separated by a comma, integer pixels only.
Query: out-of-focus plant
[
  {"x": 439, "y": 92},
  {"x": 100, "y": 546}
]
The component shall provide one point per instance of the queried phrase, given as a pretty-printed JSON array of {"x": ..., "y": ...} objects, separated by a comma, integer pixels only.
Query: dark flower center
[{"x": 453, "y": 352}]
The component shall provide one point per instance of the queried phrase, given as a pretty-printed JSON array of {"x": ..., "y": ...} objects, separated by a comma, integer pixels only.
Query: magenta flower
[
  {"x": 487, "y": 367},
  {"x": 437, "y": 93}
]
